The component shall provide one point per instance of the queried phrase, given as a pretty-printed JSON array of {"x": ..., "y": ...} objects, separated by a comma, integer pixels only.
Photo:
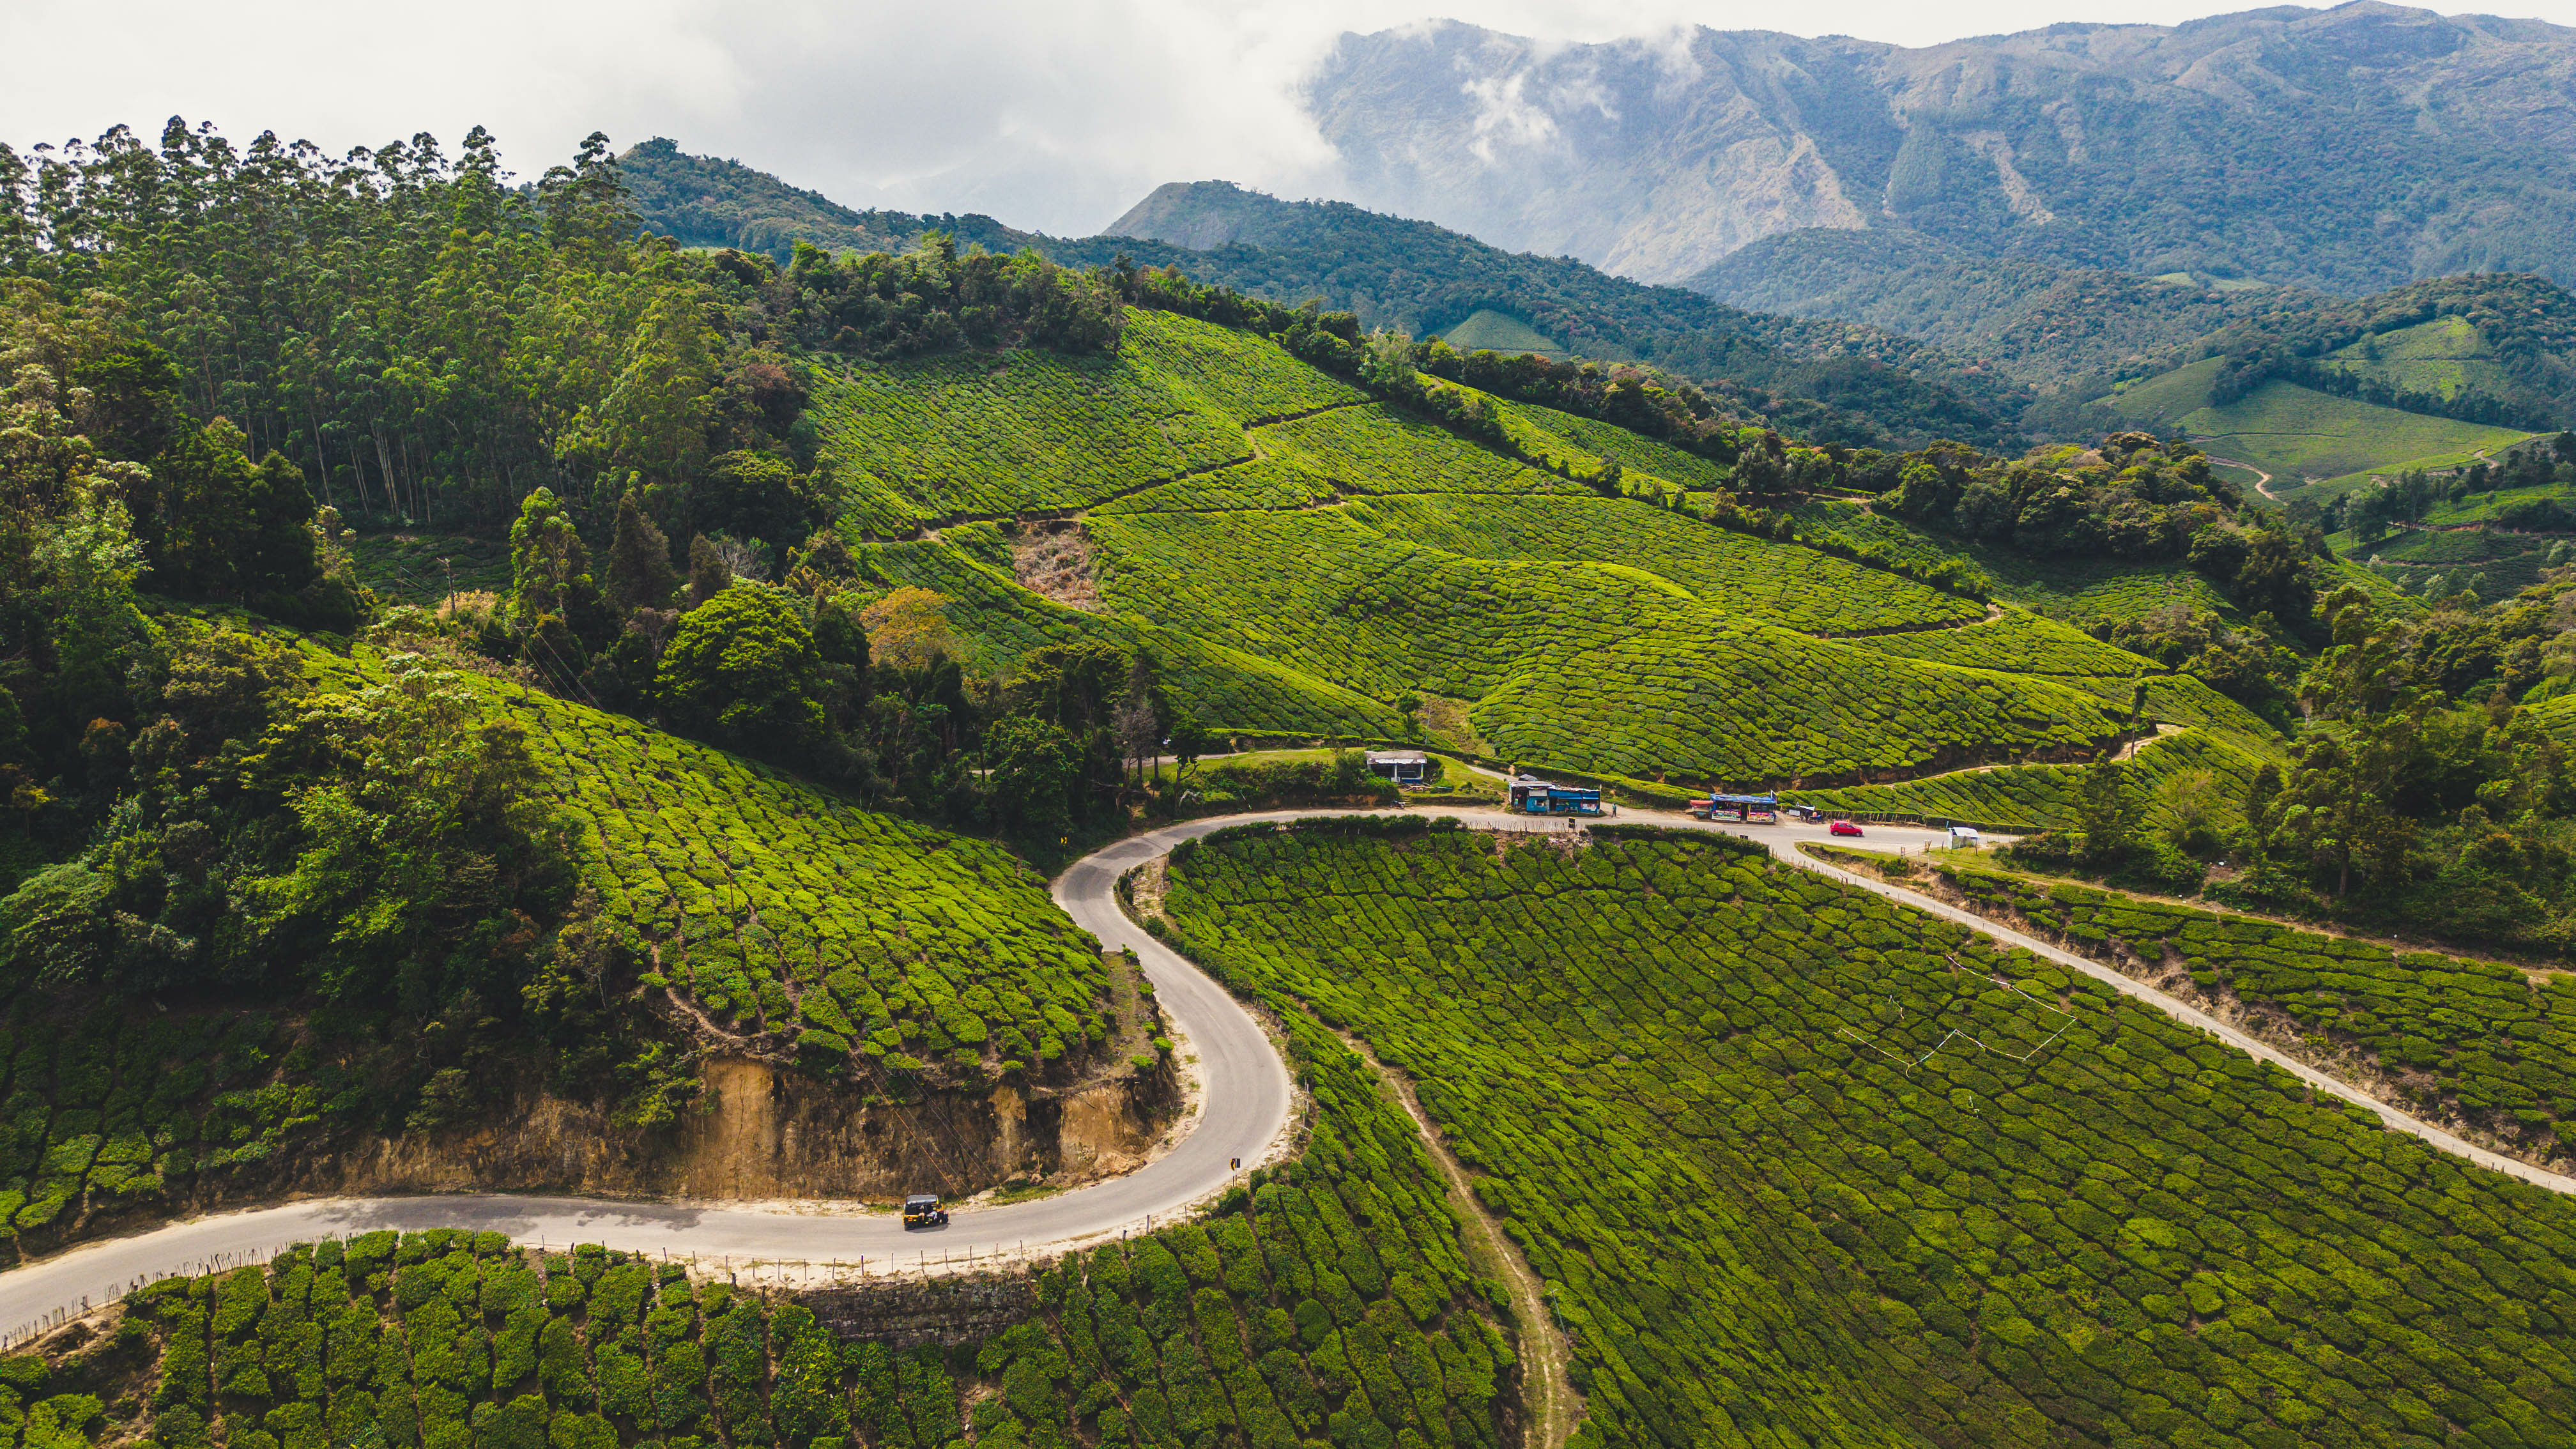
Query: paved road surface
[{"x": 1246, "y": 1105}]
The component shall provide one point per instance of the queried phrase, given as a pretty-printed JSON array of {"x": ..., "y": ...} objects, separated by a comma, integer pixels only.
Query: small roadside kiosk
[
  {"x": 1531, "y": 795},
  {"x": 1404, "y": 767},
  {"x": 1755, "y": 809}
]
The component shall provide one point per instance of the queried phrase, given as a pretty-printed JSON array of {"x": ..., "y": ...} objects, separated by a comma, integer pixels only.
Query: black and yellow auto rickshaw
[{"x": 922, "y": 1210}]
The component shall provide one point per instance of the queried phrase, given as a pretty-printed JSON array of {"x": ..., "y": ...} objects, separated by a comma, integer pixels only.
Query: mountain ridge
[
  {"x": 1833, "y": 381},
  {"x": 2216, "y": 146}
]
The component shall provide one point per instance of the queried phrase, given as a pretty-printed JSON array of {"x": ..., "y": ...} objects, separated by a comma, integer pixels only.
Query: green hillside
[
  {"x": 1874, "y": 1182},
  {"x": 2481, "y": 1039},
  {"x": 2022, "y": 799},
  {"x": 1299, "y": 558},
  {"x": 2296, "y": 433},
  {"x": 2445, "y": 357},
  {"x": 1830, "y": 380},
  {"x": 1338, "y": 1300},
  {"x": 1495, "y": 331},
  {"x": 717, "y": 903},
  {"x": 2080, "y": 591},
  {"x": 795, "y": 921}
]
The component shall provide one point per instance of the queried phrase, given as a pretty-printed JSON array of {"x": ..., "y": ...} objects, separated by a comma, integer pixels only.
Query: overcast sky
[{"x": 1050, "y": 114}]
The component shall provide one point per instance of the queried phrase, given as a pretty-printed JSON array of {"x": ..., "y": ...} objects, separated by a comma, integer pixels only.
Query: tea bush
[
  {"x": 110, "y": 1110},
  {"x": 1032, "y": 429},
  {"x": 2026, "y": 798},
  {"x": 1794, "y": 586},
  {"x": 2482, "y": 1038},
  {"x": 2017, "y": 642},
  {"x": 1802, "y": 1167},
  {"x": 1586, "y": 665},
  {"x": 787, "y": 913},
  {"x": 1334, "y": 1303}
]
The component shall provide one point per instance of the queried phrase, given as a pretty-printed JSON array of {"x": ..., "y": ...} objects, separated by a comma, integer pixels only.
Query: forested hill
[
  {"x": 700, "y": 201},
  {"x": 2042, "y": 323},
  {"x": 1427, "y": 279},
  {"x": 1829, "y": 381},
  {"x": 2483, "y": 348}
]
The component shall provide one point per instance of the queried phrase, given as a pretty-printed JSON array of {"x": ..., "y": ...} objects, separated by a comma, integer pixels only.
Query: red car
[{"x": 1841, "y": 827}]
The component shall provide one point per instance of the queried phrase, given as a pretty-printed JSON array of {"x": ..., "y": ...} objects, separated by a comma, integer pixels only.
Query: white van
[{"x": 1965, "y": 837}]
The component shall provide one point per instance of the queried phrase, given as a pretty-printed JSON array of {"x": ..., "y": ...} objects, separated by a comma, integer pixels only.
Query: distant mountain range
[
  {"x": 2346, "y": 150},
  {"x": 1982, "y": 240},
  {"x": 1831, "y": 381}
]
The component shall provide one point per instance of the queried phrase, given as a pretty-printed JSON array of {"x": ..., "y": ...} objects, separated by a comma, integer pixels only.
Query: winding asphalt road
[{"x": 1247, "y": 1106}]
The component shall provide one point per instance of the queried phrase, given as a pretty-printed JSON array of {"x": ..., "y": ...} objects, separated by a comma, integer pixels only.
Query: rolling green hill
[
  {"x": 1489, "y": 330},
  {"x": 2296, "y": 433},
  {"x": 1796, "y": 1162},
  {"x": 1300, "y": 558}
]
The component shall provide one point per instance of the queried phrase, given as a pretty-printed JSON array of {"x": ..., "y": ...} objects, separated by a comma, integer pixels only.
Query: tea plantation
[
  {"x": 2487, "y": 1040},
  {"x": 1585, "y": 443},
  {"x": 1333, "y": 1304},
  {"x": 1591, "y": 666},
  {"x": 2024, "y": 798},
  {"x": 793, "y": 918},
  {"x": 2018, "y": 642},
  {"x": 1224, "y": 687},
  {"x": 1800, "y": 588},
  {"x": 1802, "y": 1168},
  {"x": 1299, "y": 557},
  {"x": 110, "y": 1112},
  {"x": 1033, "y": 429}
]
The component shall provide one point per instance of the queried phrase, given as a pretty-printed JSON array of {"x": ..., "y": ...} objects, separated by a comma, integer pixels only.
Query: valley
[{"x": 1933, "y": 807}]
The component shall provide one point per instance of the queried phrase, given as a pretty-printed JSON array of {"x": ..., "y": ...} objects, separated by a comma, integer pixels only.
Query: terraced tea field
[
  {"x": 1224, "y": 687},
  {"x": 1037, "y": 430},
  {"x": 2021, "y": 799},
  {"x": 1300, "y": 558},
  {"x": 1800, "y": 588},
  {"x": 109, "y": 1111},
  {"x": 1583, "y": 444},
  {"x": 2017, "y": 642},
  {"x": 790, "y": 917},
  {"x": 1790, "y": 1157},
  {"x": 2483, "y": 1039},
  {"x": 1337, "y": 1300},
  {"x": 787, "y": 918},
  {"x": 1587, "y": 666}
]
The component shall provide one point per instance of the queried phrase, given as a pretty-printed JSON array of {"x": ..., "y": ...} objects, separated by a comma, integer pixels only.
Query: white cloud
[{"x": 1054, "y": 114}]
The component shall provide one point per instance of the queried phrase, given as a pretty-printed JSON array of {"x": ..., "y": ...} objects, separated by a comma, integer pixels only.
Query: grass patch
[{"x": 2297, "y": 433}]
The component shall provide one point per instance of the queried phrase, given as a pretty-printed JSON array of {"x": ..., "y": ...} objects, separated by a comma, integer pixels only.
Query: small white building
[{"x": 1404, "y": 767}]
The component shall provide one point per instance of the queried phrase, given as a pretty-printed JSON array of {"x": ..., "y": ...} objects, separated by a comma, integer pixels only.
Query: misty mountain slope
[
  {"x": 1830, "y": 381},
  {"x": 2041, "y": 323},
  {"x": 2346, "y": 150}
]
